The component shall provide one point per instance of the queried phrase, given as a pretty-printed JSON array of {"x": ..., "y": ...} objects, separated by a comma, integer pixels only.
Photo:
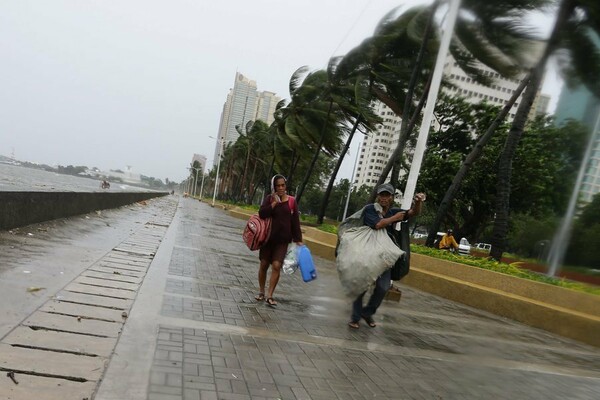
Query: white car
[
  {"x": 483, "y": 247},
  {"x": 464, "y": 247}
]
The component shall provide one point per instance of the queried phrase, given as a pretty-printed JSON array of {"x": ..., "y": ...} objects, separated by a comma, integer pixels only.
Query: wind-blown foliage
[{"x": 576, "y": 21}]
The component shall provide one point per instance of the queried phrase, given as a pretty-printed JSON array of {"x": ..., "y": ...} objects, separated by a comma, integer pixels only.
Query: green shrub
[{"x": 508, "y": 269}]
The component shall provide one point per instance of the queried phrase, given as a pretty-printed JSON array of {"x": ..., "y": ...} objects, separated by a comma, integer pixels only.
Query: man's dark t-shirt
[{"x": 371, "y": 217}]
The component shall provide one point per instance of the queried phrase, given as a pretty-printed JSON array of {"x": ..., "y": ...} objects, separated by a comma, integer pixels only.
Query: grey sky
[{"x": 110, "y": 83}]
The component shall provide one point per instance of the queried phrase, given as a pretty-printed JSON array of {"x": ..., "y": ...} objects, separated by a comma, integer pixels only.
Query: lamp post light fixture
[{"x": 221, "y": 141}]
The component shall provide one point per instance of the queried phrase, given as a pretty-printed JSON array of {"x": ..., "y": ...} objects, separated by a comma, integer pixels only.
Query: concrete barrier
[
  {"x": 563, "y": 311},
  {"x": 24, "y": 208},
  {"x": 566, "y": 312}
]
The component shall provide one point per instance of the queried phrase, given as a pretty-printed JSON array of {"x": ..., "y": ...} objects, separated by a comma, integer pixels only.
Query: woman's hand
[{"x": 275, "y": 200}]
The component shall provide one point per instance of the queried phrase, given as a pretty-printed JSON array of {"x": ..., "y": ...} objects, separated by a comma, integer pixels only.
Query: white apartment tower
[
  {"x": 377, "y": 148},
  {"x": 244, "y": 103},
  {"x": 201, "y": 160}
]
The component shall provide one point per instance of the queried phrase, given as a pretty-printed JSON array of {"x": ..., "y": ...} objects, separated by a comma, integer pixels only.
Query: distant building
[
  {"x": 244, "y": 103},
  {"x": 201, "y": 160},
  {"x": 581, "y": 105},
  {"x": 542, "y": 105},
  {"x": 377, "y": 148}
]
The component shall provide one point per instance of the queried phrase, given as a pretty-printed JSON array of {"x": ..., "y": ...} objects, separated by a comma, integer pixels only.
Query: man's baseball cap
[{"x": 386, "y": 187}]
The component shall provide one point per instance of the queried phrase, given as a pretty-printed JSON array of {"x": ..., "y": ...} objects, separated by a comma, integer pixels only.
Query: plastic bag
[
  {"x": 363, "y": 254},
  {"x": 290, "y": 262}
]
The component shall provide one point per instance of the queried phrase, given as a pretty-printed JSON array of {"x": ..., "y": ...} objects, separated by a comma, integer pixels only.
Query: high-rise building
[
  {"x": 542, "y": 105},
  {"x": 244, "y": 103},
  {"x": 377, "y": 148},
  {"x": 265, "y": 106},
  {"x": 581, "y": 105},
  {"x": 201, "y": 160}
]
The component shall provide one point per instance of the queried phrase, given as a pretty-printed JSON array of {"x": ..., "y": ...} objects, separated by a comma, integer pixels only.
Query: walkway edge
[{"x": 128, "y": 372}]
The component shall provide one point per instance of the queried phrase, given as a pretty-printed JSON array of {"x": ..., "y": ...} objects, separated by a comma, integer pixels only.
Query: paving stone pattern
[
  {"x": 61, "y": 350},
  {"x": 425, "y": 347}
]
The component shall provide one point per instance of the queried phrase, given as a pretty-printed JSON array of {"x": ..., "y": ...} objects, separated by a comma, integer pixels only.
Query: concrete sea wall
[{"x": 24, "y": 208}]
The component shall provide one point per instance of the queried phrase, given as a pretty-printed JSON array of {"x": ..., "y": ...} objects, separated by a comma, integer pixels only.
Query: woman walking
[{"x": 285, "y": 228}]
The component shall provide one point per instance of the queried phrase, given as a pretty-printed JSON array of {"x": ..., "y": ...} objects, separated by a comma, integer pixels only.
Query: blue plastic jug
[{"x": 306, "y": 264}]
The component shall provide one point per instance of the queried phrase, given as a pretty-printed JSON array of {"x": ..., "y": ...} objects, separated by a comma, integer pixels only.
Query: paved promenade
[{"x": 194, "y": 331}]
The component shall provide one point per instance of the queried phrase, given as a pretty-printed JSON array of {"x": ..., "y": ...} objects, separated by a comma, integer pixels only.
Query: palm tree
[
  {"x": 364, "y": 117},
  {"x": 576, "y": 22},
  {"x": 248, "y": 142},
  {"x": 484, "y": 32},
  {"x": 289, "y": 144},
  {"x": 328, "y": 94},
  {"x": 261, "y": 149},
  {"x": 471, "y": 158}
]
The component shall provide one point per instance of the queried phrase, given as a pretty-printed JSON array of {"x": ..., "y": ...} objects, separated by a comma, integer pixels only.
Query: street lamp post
[
  {"x": 202, "y": 184},
  {"x": 351, "y": 183},
  {"x": 218, "y": 167},
  {"x": 196, "y": 180}
]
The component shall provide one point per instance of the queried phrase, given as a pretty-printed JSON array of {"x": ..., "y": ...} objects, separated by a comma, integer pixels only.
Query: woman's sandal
[
  {"x": 354, "y": 324},
  {"x": 259, "y": 297},
  {"x": 271, "y": 302}
]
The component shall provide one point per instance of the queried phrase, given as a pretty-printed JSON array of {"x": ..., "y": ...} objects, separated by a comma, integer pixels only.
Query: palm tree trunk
[
  {"x": 243, "y": 184},
  {"x": 469, "y": 161},
  {"x": 315, "y": 156},
  {"x": 338, "y": 164},
  {"x": 501, "y": 220},
  {"x": 251, "y": 186},
  {"x": 290, "y": 177}
]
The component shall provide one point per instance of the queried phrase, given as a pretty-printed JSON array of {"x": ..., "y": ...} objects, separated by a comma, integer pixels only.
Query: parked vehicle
[
  {"x": 464, "y": 247},
  {"x": 483, "y": 247}
]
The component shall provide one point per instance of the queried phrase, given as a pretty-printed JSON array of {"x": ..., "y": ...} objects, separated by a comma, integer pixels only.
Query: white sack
[{"x": 364, "y": 254}]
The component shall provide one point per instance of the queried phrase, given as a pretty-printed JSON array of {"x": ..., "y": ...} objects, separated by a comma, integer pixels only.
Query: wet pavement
[{"x": 194, "y": 331}]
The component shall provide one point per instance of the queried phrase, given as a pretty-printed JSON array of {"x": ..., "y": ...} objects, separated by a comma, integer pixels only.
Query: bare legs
[
  {"x": 262, "y": 276},
  {"x": 275, "y": 271}
]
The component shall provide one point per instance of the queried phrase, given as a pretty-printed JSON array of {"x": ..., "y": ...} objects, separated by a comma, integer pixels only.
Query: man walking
[{"x": 381, "y": 215}]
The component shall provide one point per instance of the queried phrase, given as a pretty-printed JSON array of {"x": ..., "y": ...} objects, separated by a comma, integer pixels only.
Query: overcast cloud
[{"x": 109, "y": 84}]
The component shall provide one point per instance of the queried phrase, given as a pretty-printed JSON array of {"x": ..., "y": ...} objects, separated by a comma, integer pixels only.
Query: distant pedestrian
[
  {"x": 285, "y": 228},
  {"x": 381, "y": 215},
  {"x": 448, "y": 242}
]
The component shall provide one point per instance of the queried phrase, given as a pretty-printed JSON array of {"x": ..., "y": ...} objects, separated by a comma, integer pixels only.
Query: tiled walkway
[{"x": 214, "y": 341}]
